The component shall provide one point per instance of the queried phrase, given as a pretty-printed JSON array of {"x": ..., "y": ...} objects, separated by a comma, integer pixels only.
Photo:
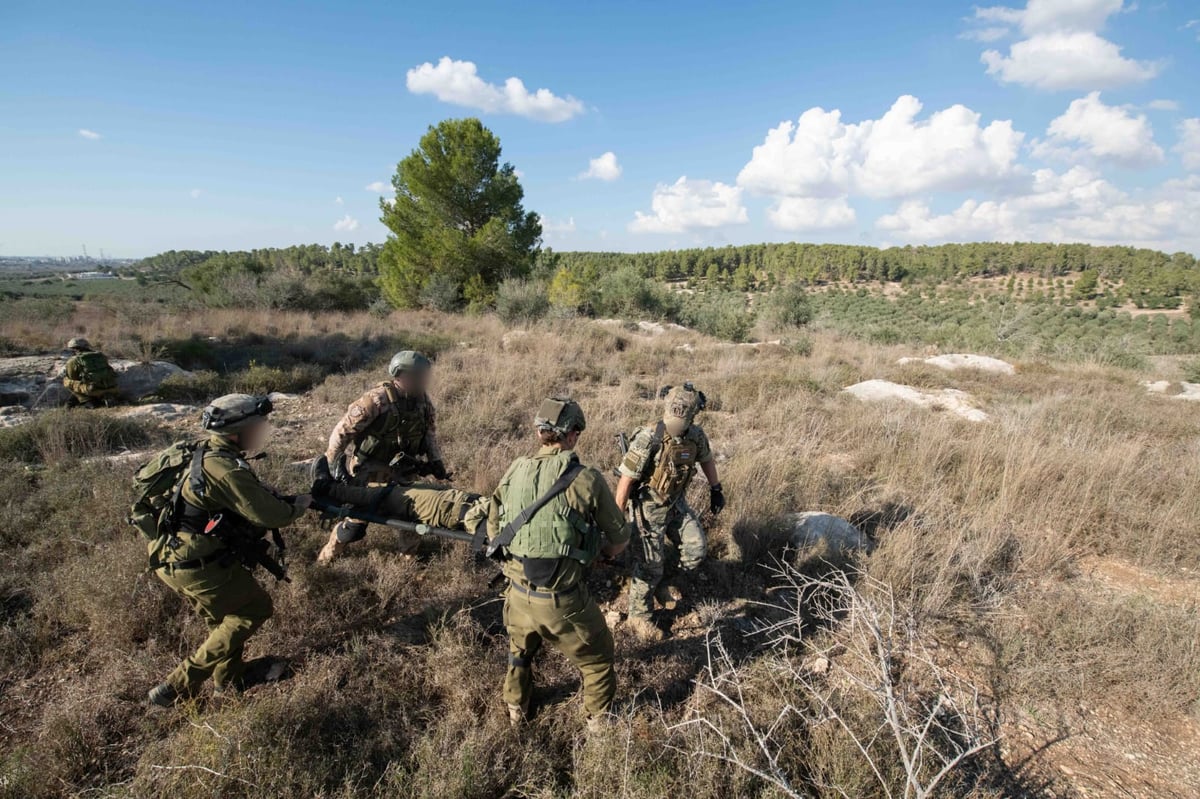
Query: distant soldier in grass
[
  {"x": 654, "y": 476},
  {"x": 89, "y": 376},
  {"x": 210, "y": 533},
  {"x": 391, "y": 433},
  {"x": 549, "y": 518}
]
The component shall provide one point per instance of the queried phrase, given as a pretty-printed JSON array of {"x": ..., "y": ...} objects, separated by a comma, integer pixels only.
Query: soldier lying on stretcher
[{"x": 448, "y": 508}]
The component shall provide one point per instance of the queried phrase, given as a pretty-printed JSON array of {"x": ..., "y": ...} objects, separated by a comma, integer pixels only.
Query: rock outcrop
[
  {"x": 947, "y": 399},
  {"x": 36, "y": 380}
]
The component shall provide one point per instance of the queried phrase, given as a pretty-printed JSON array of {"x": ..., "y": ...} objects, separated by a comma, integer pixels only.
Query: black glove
[
  {"x": 437, "y": 469},
  {"x": 338, "y": 470},
  {"x": 716, "y": 499}
]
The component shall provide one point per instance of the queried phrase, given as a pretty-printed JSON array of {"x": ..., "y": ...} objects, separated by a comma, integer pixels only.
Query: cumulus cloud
[
  {"x": 1062, "y": 48},
  {"x": 89, "y": 134},
  {"x": 346, "y": 224},
  {"x": 379, "y": 187},
  {"x": 338, "y": 200},
  {"x": 985, "y": 34},
  {"x": 893, "y": 156},
  {"x": 1189, "y": 144},
  {"x": 605, "y": 167},
  {"x": 458, "y": 82},
  {"x": 1109, "y": 133},
  {"x": 811, "y": 213},
  {"x": 690, "y": 205},
  {"x": 1077, "y": 205}
]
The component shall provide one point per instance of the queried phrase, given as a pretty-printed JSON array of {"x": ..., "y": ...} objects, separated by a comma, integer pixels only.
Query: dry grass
[{"x": 979, "y": 528}]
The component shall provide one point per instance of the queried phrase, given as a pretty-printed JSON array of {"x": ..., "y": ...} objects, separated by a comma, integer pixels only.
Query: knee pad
[{"x": 349, "y": 532}]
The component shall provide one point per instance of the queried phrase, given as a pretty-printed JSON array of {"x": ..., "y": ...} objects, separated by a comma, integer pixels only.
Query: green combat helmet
[
  {"x": 560, "y": 415},
  {"x": 682, "y": 405},
  {"x": 235, "y": 412},
  {"x": 79, "y": 344},
  {"x": 408, "y": 361}
]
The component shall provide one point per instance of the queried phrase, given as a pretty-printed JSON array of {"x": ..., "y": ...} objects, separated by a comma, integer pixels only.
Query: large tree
[{"x": 457, "y": 218}]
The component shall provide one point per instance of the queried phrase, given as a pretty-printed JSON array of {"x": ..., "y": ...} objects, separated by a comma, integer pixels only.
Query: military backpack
[
  {"x": 157, "y": 486},
  {"x": 95, "y": 371}
]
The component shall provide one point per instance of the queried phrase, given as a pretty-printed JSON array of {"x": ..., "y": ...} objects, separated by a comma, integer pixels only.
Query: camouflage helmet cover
[
  {"x": 79, "y": 343},
  {"x": 234, "y": 412},
  {"x": 682, "y": 403},
  {"x": 408, "y": 361},
  {"x": 560, "y": 415}
]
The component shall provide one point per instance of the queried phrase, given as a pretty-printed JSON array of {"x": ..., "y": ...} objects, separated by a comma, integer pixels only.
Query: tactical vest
[
  {"x": 674, "y": 467},
  {"x": 95, "y": 373},
  {"x": 555, "y": 531},
  {"x": 401, "y": 428}
]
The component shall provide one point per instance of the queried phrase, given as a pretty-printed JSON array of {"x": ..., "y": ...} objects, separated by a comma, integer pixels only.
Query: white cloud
[
  {"x": 1078, "y": 205},
  {"x": 195, "y": 193},
  {"x": 520, "y": 175},
  {"x": 985, "y": 34},
  {"x": 379, "y": 187},
  {"x": 893, "y": 156},
  {"x": 338, "y": 200},
  {"x": 604, "y": 167},
  {"x": 1163, "y": 105},
  {"x": 1193, "y": 24},
  {"x": 691, "y": 204},
  {"x": 1056, "y": 61},
  {"x": 89, "y": 134},
  {"x": 346, "y": 224},
  {"x": 1109, "y": 133},
  {"x": 1189, "y": 144},
  {"x": 811, "y": 213},
  {"x": 458, "y": 82},
  {"x": 1054, "y": 16},
  {"x": 551, "y": 226},
  {"x": 1062, "y": 48}
]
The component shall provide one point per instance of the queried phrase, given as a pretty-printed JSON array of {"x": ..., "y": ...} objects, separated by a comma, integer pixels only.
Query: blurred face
[
  {"x": 253, "y": 439},
  {"x": 571, "y": 439},
  {"x": 414, "y": 382}
]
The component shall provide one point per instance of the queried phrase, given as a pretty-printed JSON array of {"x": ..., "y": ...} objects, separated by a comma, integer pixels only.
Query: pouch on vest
[{"x": 674, "y": 468}]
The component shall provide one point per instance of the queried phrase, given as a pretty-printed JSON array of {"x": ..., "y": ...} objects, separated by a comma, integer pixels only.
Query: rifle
[
  {"x": 332, "y": 509},
  {"x": 248, "y": 545}
]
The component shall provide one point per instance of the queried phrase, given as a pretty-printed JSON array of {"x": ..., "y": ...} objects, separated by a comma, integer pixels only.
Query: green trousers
[
  {"x": 234, "y": 606},
  {"x": 572, "y": 623},
  {"x": 663, "y": 535}
]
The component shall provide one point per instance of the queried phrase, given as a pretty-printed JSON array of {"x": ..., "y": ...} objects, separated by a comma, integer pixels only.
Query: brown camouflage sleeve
[{"x": 358, "y": 418}]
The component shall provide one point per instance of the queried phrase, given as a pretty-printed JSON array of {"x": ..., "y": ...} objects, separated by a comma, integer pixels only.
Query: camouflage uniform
[
  {"x": 224, "y": 593},
  {"x": 89, "y": 376},
  {"x": 666, "y": 529},
  {"x": 382, "y": 424},
  {"x": 557, "y": 608},
  {"x": 437, "y": 507}
]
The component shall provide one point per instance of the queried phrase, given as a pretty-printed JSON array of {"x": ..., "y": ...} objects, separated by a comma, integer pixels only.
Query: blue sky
[{"x": 140, "y": 127}]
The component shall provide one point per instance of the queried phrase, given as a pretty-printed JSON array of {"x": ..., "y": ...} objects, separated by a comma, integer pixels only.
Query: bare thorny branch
[{"x": 936, "y": 720}]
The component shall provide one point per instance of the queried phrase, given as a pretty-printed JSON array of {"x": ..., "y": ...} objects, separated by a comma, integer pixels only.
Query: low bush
[
  {"x": 59, "y": 435},
  {"x": 521, "y": 301}
]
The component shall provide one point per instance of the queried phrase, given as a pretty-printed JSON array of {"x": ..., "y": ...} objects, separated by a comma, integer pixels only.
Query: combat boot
[
  {"x": 644, "y": 629},
  {"x": 333, "y": 547},
  {"x": 163, "y": 695},
  {"x": 668, "y": 596}
]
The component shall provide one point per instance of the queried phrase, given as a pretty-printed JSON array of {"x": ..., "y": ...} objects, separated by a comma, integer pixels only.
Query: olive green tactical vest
[
  {"x": 674, "y": 467},
  {"x": 555, "y": 531},
  {"x": 400, "y": 428}
]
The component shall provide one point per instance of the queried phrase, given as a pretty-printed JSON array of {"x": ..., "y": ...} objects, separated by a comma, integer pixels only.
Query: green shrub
[
  {"x": 441, "y": 293},
  {"x": 259, "y": 379},
  {"x": 521, "y": 301},
  {"x": 196, "y": 387},
  {"x": 722, "y": 314},
  {"x": 59, "y": 435},
  {"x": 623, "y": 293},
  {"x": 786, "y": 307}
]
